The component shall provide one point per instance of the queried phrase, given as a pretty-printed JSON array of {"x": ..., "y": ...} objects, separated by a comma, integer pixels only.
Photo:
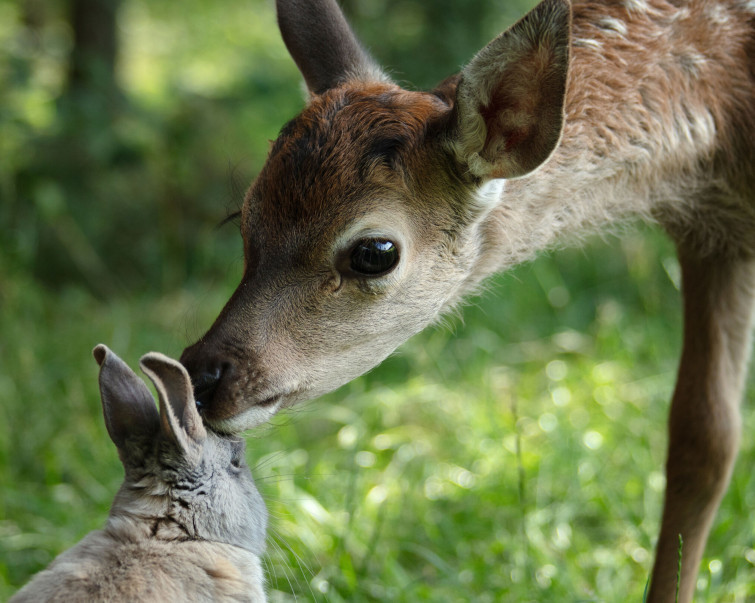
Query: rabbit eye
[{"x": 237, "y": 462}]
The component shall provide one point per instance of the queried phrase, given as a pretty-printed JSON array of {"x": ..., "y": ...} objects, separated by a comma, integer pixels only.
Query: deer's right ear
[
  {"x": 509, "y": 107},
  {"x": 322, "y": 44},
  {"x": 127, "y": 404}
]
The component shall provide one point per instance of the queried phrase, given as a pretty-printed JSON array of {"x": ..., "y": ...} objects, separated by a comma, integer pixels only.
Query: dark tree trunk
[{"x": 95, "y": 47}]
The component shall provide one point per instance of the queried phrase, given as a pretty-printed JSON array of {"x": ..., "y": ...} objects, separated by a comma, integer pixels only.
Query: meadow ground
[{"x": 513, "y": 454}]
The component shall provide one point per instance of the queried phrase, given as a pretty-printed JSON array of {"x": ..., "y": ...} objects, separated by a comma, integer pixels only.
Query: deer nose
[
  {"x": 206, "y": 373},
  {"x": 205, "y": 384}
]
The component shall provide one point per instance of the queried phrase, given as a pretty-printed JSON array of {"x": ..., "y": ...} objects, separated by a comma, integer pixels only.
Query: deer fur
[
  {"x": 188, "y": 523},
  {"x": 579, "y": 117}
]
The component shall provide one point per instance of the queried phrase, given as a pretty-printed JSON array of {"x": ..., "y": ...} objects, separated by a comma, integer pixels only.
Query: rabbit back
[{"x": 99, "y": 569}]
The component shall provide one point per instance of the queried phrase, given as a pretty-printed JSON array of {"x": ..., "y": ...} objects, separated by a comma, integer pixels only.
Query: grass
[
  {"x": 514, "y": 455},
  {"x": 679, "y": 568}
]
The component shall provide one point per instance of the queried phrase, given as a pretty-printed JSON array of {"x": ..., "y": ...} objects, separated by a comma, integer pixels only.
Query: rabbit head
[{"x": 186, "y": 481}]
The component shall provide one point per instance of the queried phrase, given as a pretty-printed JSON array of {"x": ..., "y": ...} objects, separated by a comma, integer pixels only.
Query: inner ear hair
[{"x": 510, "y": 101}]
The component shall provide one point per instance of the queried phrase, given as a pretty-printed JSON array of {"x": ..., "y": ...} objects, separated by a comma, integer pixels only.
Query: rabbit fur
[{"x": 188, "y": 523}]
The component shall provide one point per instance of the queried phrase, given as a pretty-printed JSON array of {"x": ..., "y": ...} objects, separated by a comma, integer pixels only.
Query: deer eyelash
[{"x": 233, "y": 217}]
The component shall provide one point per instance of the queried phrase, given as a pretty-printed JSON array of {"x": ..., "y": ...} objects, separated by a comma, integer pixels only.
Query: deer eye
[{"x": 374, "y": 256}]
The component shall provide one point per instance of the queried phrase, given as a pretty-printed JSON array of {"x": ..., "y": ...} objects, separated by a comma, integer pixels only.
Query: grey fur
[{"x": 188, "y": 523}]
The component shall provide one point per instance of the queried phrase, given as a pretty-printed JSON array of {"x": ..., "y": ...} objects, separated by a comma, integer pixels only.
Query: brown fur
[{"x": 655, "y": 121}]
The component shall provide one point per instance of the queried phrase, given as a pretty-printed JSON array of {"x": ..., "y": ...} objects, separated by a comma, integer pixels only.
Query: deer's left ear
[{"x": 509, "y": 108}]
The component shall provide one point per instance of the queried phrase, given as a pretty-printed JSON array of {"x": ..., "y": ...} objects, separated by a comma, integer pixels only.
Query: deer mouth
[
  {"x": 270, "y": 401},
  {"x": 225, "y": 406},
  {"x": 249, "y": 415}
]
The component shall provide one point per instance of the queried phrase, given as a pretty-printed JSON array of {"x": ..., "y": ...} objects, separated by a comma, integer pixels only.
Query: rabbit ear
[
  {"x": 127, "y": 404},
  {"x": 179, "y": 418}
]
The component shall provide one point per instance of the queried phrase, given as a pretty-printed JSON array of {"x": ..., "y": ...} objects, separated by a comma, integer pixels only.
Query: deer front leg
[{"x": 704, "y": 422}]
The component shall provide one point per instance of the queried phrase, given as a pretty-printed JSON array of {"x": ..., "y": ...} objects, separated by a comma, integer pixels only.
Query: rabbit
[{"x": 188, "y": 523}]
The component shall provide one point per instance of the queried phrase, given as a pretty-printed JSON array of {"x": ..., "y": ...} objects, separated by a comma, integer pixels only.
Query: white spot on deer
[
  {"x": 612, "y": 26},
  {"x": 717, "y": 14},
  {"x": 638, "y": 6},
  {"x": 703, "y": 128},
  {"x": 681, "y": 14},
  {"x": 586, "y": 43},
  {"x": 693, "y": 129},
  {"x": 691, "y": 62}
]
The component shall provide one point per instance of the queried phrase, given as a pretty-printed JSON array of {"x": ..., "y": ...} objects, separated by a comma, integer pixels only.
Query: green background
[{"x": 514, "y": 453}]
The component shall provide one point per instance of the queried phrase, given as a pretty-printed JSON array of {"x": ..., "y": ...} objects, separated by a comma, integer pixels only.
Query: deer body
[
  {"x": 378, "y": 209},
  {"x": 659, "y": 125}
]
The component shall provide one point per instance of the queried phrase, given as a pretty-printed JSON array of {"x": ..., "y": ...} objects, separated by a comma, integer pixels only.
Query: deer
[{"x": 379, "y": 209}]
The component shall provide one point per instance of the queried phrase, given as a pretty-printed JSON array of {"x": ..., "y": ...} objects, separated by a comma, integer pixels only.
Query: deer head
[{"x": 368, "y": 219}]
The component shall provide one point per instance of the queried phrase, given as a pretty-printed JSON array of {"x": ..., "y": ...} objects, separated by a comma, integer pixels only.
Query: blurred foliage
[
  {"x": 515, "y": 456},
  {"x": 422, "y": 43},
  {"x": 120, "y": 192}
]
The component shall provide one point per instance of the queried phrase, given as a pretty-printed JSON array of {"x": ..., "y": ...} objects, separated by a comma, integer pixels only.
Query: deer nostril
[{"x": 205, "y": 385}]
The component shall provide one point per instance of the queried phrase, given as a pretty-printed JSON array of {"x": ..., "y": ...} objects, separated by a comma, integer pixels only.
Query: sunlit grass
[{"x": 516, "y": 455}]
